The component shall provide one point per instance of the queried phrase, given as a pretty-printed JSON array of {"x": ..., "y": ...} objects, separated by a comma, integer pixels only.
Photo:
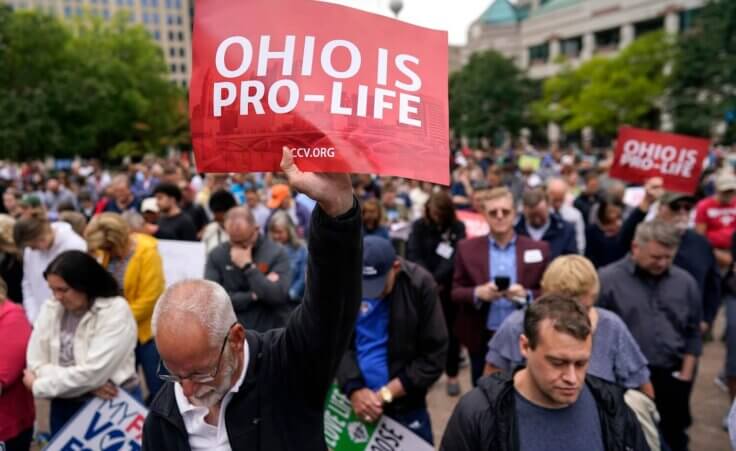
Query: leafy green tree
[
  {"x": 606, "y": 93},
  {"x": 89, "y": 88},
  {"x": 488, "y": 96},
  {"x": 704, "y": 77}
]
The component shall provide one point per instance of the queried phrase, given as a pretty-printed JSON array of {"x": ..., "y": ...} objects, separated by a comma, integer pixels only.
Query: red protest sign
[
  {"x": 642, "y": 154},
  {"x": 346, "y": 91},
  {"x": 475, "y": 223}
]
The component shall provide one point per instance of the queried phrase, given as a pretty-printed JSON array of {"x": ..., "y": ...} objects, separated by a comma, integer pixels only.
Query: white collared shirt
[{"x": 204, "y": 436}]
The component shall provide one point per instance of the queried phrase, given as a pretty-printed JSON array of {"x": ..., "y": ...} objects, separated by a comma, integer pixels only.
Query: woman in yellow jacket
[{"x": 133, "y": 260}]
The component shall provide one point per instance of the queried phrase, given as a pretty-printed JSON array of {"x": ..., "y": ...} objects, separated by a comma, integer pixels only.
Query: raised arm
[{"x": 318, "y": 332}]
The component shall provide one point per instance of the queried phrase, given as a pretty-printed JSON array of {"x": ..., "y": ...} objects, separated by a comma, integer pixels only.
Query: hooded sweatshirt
[{"x": 35, "y": 288}]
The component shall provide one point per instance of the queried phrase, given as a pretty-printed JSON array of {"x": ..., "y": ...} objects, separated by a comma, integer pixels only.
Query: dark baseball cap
[{"x": 378, "y": 258}]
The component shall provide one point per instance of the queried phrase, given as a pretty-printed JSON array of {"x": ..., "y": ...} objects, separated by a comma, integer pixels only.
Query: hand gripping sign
[
  {"x": 642, "y": 154},
  {"x": 346, "y": 91}
]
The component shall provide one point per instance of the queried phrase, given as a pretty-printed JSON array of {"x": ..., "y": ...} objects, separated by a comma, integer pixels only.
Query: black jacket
[
  {"x": 560, "y": 235},
  {"x": 417, "y": 343},
  {"x": 485, "y": 418},
  {"x": 280, "y": 405},
  {"x": 422, "y": 249}
]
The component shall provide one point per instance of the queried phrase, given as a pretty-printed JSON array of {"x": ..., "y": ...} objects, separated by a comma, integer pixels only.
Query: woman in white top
[{"x": 84, "y": 339}]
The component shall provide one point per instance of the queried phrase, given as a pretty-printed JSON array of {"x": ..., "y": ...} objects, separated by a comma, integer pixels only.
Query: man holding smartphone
[{"x": 494, "y": 275}]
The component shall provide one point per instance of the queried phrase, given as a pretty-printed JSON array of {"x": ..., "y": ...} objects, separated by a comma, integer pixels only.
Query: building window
[
  {"x": 177, "y": 3},
  {"x": 181, "y": 36},
  {"x": 170, "y": 20},
  {"x": 179, "y": 21},
  {"x": 67, "y": 11},
  {"x": 571, "y": 47},
  {"x": 79, "y": 11},
  {"x": 154, "y": 3},
  {"x": 145, "y": 17},
  {"x": 106, "y": 14},
  {"x": 157, "y": 35},
  {"x": 155, "y": 18},
  {"x": 688, "y": 18},
  {"x": 172, "y": 52},
  {"x": 130, "y": 2},
  {"x": 182, "y": 52},
  {"x": 539, "y": 53},
  {"x": 648, "y": 26},
  {"x": 171, "y": 35},
  {"x": 144, "y": 3},
  {"x": 173, "y": 68},
  {"x": 183, "y": 83},
  {"x": 183, "y": 68},
  {"x": 607, "y": 40},
  {"x": 168, "y": 4}
]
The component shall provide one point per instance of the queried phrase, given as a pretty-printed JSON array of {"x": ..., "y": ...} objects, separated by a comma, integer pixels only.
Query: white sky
[{"x": 452, "y": 16}]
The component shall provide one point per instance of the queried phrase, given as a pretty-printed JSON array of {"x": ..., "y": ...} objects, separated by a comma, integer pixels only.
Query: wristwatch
[{"x": 386, "y": 395}]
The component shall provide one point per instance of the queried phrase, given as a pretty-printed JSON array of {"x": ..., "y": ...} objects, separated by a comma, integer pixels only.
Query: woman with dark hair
[
  {"x": 603, "y": 234},
  {"x": 281, "y": 230},
  {"x": 432, "y": 245},
  {"x": 83, "y": 342}
]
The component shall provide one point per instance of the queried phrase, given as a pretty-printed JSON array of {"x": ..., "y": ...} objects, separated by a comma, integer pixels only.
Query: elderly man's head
[
  {"x": 655, "y": 245},
  {"x": 557, "y": 189},
  {"x": 240, "y": 225},
  {"x": 199, "y": 340}
]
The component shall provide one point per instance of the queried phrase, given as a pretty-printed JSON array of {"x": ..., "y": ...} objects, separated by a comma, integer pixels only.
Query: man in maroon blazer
[{"x": 494, "y": 275}]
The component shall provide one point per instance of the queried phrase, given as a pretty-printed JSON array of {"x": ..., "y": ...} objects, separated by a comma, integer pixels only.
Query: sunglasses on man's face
[
  {"x": 504, "y": 212},
  {"x": 681, "y": 206}
]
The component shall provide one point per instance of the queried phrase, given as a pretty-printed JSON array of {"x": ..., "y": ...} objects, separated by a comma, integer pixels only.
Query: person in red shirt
[
  {"x": 17, "y": 412},
  {"x": 715, "y": 217}
]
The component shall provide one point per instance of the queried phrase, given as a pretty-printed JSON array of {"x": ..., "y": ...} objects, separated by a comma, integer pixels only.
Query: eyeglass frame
[{"x": 200, "y": 379}]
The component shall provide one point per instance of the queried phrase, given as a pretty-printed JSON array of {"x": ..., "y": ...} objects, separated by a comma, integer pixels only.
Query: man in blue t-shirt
[{"x": 400, "y": 342}]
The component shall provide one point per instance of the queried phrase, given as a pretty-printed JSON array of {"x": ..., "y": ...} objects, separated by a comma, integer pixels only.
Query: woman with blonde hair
[
  {"x": 281, "y": 230},
  {"x": 134, "y": 261},
  {"x": 11, "y": 266}
]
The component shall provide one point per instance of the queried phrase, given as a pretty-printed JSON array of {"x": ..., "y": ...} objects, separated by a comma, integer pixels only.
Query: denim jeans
[
  {"x": 146, "y": 356},
  {"x": 418, "y": 422}
]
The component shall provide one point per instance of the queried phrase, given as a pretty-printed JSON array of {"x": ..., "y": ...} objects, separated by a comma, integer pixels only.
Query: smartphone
[{"x": 502, "y": 282}]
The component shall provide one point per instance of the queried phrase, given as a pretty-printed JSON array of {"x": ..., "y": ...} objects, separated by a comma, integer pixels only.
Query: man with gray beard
[{"x": 229, "y": 388}]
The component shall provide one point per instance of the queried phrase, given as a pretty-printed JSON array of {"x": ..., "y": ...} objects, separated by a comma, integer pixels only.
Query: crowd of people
[{"x": 581, "y": 304}]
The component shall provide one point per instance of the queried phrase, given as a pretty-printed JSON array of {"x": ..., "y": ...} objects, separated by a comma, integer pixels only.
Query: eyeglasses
[
  {"x": 504, "y": 212},
  {"x": 196, "y": 378},
  {"x": 681, "y": 206}
]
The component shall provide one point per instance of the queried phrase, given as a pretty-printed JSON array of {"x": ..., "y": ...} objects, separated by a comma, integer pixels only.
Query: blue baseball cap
[{"x": 378, "y": 258}]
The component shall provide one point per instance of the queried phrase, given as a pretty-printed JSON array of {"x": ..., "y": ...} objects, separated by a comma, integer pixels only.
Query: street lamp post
[{"x": 396, "y": 6}]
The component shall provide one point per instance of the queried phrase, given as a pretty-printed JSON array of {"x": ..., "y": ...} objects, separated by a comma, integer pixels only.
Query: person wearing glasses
[
  {"x": 229, "y": 388},
  {"x": 83, "y": 341},
  {"x": 494, "y": 275}
]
